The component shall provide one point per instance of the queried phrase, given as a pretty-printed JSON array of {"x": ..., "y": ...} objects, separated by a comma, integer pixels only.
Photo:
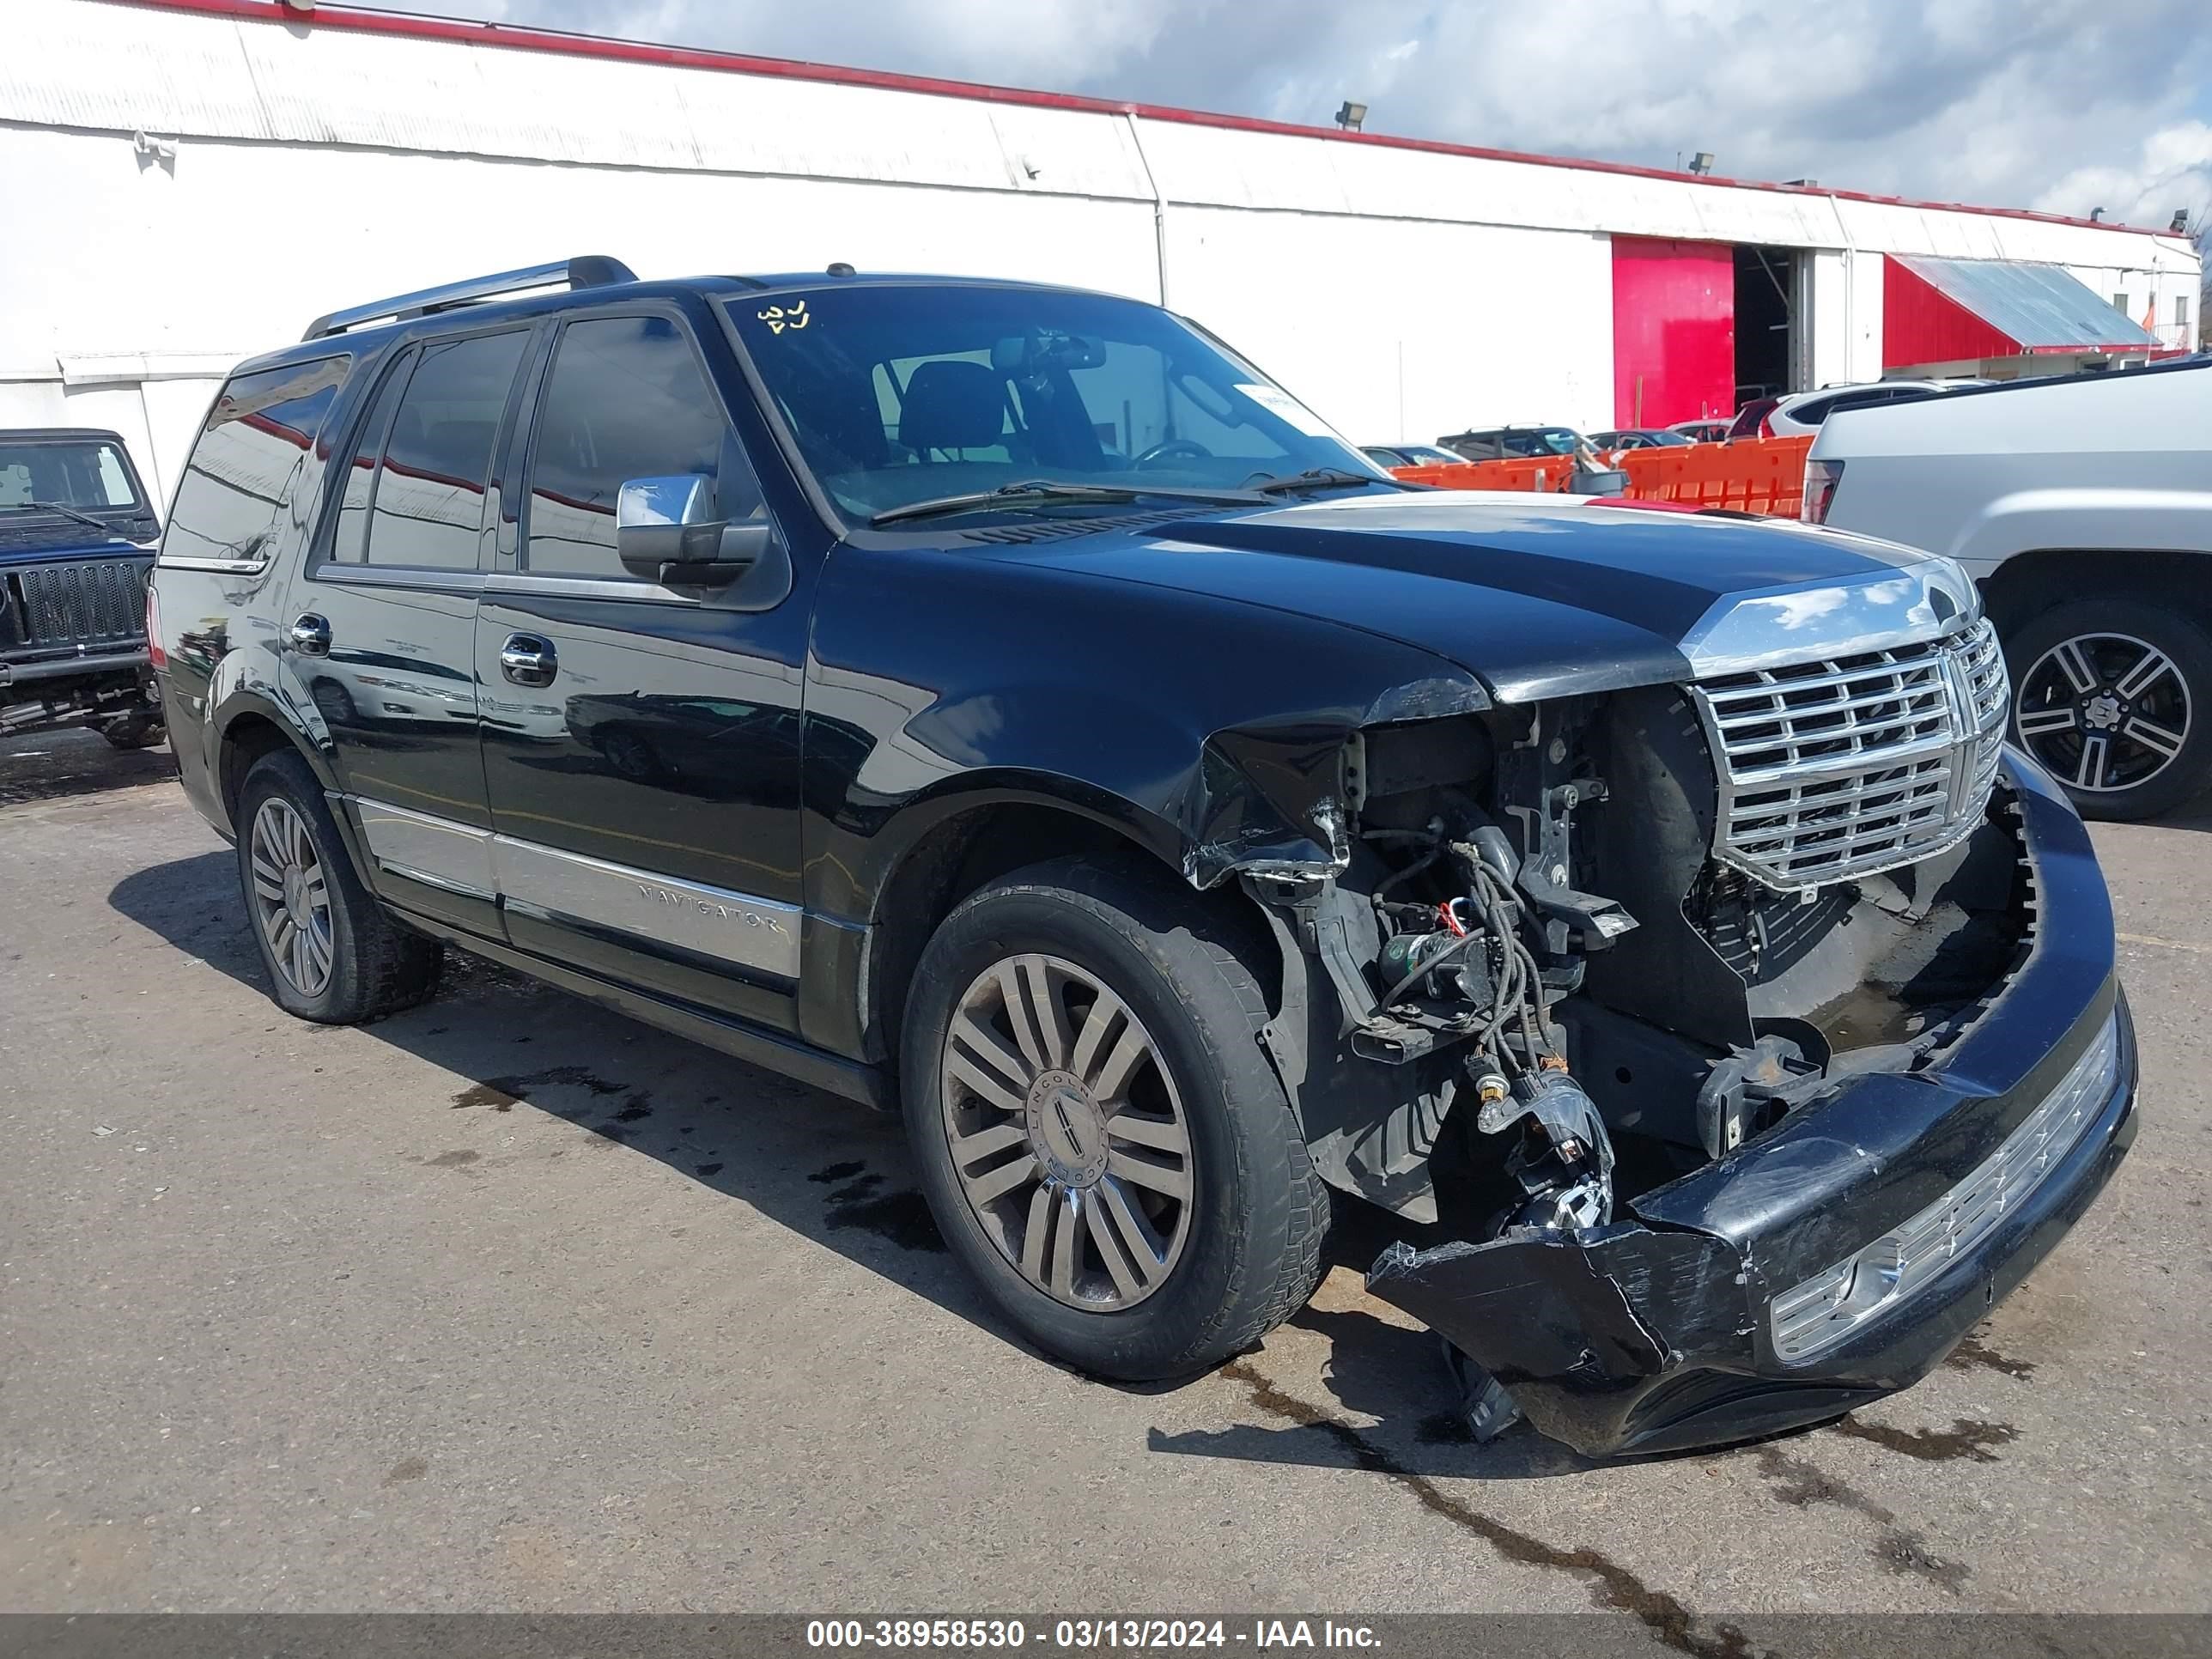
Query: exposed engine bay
[{"x": 1552, "y": 979}]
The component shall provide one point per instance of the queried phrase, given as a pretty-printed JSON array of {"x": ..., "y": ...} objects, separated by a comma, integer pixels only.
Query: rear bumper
[{"x": 1657, "y": 1333}]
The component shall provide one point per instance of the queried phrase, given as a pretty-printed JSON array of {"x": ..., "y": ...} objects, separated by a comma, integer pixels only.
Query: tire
[
  {"x": 349, "y": 962},
  {"x": 142, "y": 730},
  {"x": 2113, "y": 696},
  {"x": 1110, "y": 946}
]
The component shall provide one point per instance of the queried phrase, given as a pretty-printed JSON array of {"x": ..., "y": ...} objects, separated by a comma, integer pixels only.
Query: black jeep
[
  {"x": 76, "y": 545},
  {"x": 1006, "y": 704}
]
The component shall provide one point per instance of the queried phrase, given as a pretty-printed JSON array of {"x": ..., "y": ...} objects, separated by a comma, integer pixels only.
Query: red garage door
[{"x": 1674, "y": 330}]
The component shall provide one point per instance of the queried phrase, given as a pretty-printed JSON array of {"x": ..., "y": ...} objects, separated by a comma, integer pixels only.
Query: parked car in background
[
  {"x": 1639, "y": 438},
  {"x": 76, "y": 542},
  {"x": 1797, "y": 413},
  {"x": 1388, "y": 456},
  {"x": 1702, "y": 432},
  {"x": 2082, "y": 505},
  {"x": 1515, "y": 443},
  {"x": 1004, "y": 705}
]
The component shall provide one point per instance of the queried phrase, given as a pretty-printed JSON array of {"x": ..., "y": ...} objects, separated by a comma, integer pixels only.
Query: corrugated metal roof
[{"x": 2041, "y": 307}]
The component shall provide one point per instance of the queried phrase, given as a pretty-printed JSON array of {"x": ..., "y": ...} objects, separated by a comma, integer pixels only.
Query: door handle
[
  {"x": 311, "y": 635},
  {"x": 527, "y": 659}
]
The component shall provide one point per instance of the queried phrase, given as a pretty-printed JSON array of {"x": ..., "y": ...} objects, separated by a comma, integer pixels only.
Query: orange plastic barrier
[
  {"x": 1752, "y": 475},
  {"x": 1545, "y": 472}
]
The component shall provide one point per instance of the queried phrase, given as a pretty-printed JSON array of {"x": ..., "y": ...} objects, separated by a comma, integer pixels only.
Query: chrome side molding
[
  {"x": 447, "y": 853},
  {"x": 742, "y": 929}
]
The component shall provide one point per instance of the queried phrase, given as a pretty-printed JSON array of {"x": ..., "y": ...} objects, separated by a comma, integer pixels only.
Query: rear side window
[
  {"x": 625, "y": 399},
  {"x": 231, "y": 501},
  {"x": 415, "y": 484}
]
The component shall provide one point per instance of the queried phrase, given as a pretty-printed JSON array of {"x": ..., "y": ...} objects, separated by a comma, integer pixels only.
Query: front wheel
[
  {"x": 140, "y": 729},
  {"x": 2111, "y": 695},
  {"x": 1097, "y": 1130}
]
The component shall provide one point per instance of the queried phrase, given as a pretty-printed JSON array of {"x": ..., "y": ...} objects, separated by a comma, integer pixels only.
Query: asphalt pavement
[{"x": 509, "y": 1303}]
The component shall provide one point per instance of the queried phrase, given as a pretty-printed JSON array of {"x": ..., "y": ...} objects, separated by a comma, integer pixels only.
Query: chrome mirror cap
[{"x": 684, "y": 498}]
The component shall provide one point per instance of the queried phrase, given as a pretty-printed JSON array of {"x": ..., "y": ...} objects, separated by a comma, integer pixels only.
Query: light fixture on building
[
  {"x": 305, "y": 8},
  {"x": 1350, "y": 115},
  {"x": 1702, "y": 162},
  {"x": 2180, "y": 225},
  {"x": 2096, "y": 215},
  {"x": 1802, "y": 184}
]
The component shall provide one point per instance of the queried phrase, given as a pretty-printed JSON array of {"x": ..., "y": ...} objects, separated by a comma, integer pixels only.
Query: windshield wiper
[
  {"x": 1321, "y": 478},
  {"x": 1045, "y": 491},
  {"x": 66, "y": 511}
]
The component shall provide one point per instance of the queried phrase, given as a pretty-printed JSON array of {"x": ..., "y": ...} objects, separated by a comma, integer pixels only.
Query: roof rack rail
[{"x": 583, "y": 270}]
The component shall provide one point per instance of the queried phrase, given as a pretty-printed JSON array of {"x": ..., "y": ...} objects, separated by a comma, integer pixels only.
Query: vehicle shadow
[
  {"x": 838, "y": 1173},
  {"x": 54, "y": 765},
  {"x": 828, "y": 1169}
]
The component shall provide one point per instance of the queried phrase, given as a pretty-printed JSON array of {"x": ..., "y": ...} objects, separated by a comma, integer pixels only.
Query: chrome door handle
[
  {"x": 311, "y": 635},
  {"x": 527, "y": 660}
]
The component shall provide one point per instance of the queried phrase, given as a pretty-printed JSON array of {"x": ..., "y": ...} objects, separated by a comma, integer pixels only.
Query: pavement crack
[{"x": 1612, "y": 1586}]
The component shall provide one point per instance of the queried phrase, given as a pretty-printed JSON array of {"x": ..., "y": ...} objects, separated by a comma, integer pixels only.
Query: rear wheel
[
  {"x": 2111, "y": 695},
  {"x": 1098, "y": 1134},
  {"x": 332, "y": 954}
]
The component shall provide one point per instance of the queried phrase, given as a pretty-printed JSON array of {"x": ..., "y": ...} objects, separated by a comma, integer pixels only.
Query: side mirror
[{"x": 670, "y": 530}]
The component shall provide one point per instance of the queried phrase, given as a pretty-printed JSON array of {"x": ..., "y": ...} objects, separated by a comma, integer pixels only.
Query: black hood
[{"x": 1540, "y": 598}]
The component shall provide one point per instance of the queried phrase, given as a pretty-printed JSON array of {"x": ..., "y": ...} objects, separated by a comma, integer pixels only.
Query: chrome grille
[
  {"x": 1849, "y": 765},
  {"x": 1810, "y": 1318},
  {"x": 94, "y": 602}
]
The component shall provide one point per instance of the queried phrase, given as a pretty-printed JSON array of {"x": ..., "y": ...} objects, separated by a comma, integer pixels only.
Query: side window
[
  {"x": 351, "y": 544},
  {"x": 426, "y": 505},
  {"x": 625, "y": 399},
  {"x": 231, "y": 500}
]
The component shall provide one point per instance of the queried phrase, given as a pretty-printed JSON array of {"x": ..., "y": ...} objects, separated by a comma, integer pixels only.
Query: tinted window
[
  {"x": 231, "y": 502},
  {"x": 351, "y": 542},
  {"x": 427, "y": 504},
  {"x": 626, "y": 398},
  {"x": 899, "y": 394}
]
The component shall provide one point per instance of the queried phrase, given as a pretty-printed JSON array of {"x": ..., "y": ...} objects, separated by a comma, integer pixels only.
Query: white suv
[
  {"x": 1798, "y": 413},
  {"x": 2082, "y": 504}
]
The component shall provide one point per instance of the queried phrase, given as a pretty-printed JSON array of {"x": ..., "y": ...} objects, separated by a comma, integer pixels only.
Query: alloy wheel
[
  {"x": 2103, "y": 712},
  {"x": 291, "y": 896},
  {"x": 1067, "y": 1136}
]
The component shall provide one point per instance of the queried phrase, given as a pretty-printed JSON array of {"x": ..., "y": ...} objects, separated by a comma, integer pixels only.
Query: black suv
[
  {"x": 1006, "y": 703},
  {"x": 76, "y": 543}
]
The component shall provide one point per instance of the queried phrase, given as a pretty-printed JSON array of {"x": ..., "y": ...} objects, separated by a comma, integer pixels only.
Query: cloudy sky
[{"x": 2064, "y": 105}]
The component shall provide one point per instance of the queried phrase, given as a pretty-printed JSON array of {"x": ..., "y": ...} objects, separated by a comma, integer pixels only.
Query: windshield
[
  {"x": 87, "y": 475},
  {"x": 899, "y": 394}
]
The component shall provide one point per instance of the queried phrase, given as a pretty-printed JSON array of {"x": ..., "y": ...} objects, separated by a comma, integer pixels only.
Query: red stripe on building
[{"x": 456, "y": 31}]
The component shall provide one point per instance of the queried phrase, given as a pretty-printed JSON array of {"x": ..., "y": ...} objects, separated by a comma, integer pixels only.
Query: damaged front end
[{"x": 1742, "y": 1041}]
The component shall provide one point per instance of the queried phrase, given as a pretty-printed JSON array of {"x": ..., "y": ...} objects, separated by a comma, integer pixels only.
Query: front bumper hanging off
[{"x": 1842, "y": 1256}]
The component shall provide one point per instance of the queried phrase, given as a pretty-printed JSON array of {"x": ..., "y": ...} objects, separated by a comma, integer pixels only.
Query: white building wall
[{"x": 1403, "y": 292}]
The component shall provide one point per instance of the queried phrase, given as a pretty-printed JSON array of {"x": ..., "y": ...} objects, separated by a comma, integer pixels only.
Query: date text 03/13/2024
[{"x": 1256, "y": 1635}]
